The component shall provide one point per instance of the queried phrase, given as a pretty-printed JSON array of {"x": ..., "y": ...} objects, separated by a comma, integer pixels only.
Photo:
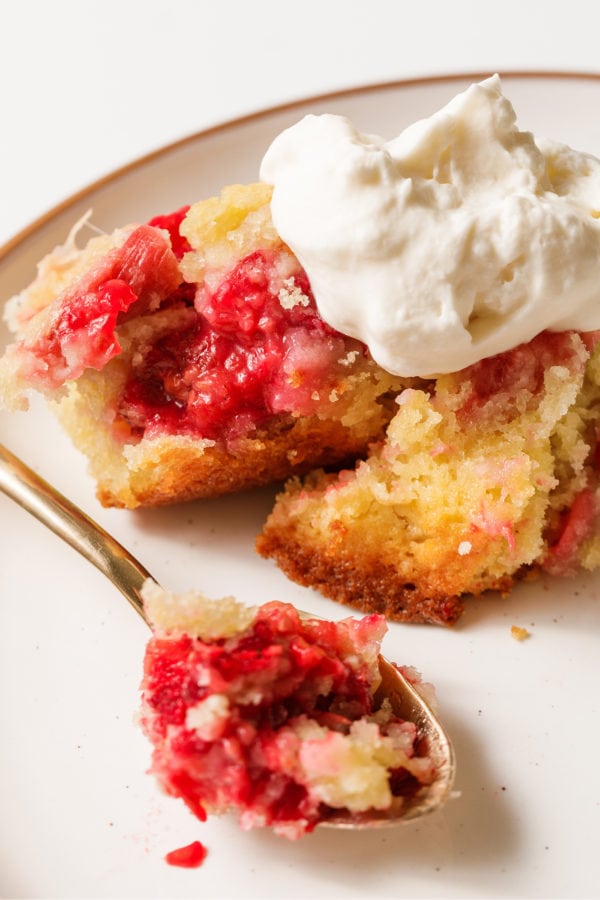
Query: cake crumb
[
  {"x": 519, "y": 634},
  {"x": 291, "y": 295},
  {"x": 464, "y": 548},
  {"x": 349, "y": 359}
]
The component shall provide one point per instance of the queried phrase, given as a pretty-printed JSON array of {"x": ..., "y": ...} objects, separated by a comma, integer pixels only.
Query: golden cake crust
[
  {"x": 365, "y": 581},
  {"x": 171, "y": 470},
  {"x": 364, "y": 584}
]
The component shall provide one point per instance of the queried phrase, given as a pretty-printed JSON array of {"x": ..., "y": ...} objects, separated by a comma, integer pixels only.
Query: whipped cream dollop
[{"x": 459, "y": 239}]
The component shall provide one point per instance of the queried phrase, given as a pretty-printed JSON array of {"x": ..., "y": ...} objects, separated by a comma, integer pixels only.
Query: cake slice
[
  {"x": 275, "y": 716},
  {"x": 484, "y": 475},
  {"x": 186, "y": 357}
]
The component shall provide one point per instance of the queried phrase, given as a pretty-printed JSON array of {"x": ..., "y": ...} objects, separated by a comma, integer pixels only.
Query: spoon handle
[{"x": 70, "y": 523}]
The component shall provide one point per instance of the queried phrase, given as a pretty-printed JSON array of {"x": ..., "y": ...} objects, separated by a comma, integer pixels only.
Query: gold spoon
[{"x": 70, "y": 523}]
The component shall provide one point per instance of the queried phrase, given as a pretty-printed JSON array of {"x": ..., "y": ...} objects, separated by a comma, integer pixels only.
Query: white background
[{"x": 87, "y": 86}]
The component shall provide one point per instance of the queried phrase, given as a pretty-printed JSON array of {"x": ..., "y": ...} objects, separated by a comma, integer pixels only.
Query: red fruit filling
[
  {"x": 259, "y": 687},
  {"x": 252, "y": 347},
  {"x": 577, "y": 525},
  {"x": 247, "y": 355},
  {"x": 505, "y": 385},
  {"x": 81, "y": 331},
  {"x": 171, "y": 222}
]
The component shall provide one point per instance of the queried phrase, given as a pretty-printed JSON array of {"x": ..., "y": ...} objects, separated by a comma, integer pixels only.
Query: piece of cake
[
  {"x": 484, "y": 476},
  {"x": 186, "y": 357},
  {"x": 275, "y": 716}
]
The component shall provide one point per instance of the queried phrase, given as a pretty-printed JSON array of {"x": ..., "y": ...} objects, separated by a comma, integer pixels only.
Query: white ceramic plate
[{"x": 80, "y": 818}]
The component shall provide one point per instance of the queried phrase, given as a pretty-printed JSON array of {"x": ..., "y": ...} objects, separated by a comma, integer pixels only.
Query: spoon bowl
[{"x": 96, "y": 545}]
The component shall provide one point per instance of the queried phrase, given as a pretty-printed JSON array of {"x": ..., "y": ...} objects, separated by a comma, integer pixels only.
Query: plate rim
[{"x": 14, "y": 242}]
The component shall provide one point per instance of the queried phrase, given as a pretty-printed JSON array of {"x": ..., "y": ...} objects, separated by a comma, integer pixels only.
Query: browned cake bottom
[{"x": 369, "y": 585}]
